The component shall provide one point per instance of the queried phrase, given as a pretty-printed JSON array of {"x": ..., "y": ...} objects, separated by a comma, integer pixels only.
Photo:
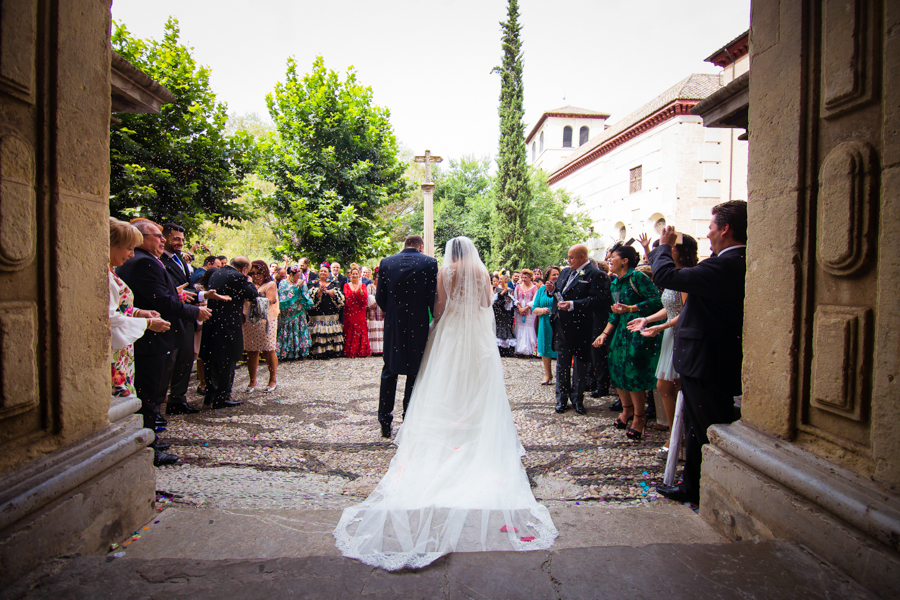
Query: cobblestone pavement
[{"x": 315, "y": 443}]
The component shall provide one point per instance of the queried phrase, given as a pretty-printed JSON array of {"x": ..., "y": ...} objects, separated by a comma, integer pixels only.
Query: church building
[{"x": 654, "y": 167}]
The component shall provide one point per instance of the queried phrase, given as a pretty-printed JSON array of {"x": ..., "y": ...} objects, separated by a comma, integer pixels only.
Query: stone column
[
  {"x": 815, "y": 457},
  {"x": 428, "y": 197},
  {"x": 70, "y": 481}
]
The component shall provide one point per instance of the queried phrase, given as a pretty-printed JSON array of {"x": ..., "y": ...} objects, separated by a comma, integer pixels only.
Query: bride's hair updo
[{"x": 456, "y": 249}]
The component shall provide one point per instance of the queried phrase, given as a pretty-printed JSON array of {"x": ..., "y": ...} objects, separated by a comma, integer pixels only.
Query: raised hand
[
  {"x": 637, "y": 324},
  {"x": 214, "y": 295}
]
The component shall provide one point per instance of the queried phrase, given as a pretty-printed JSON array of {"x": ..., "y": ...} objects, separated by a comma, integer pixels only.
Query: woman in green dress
[
  {"x": 543, "y": 303},
  {"x": 293, "y": 333},
  {"x": 632, "y": 357}
]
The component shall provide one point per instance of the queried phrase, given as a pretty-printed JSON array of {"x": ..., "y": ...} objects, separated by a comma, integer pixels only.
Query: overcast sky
[{"x": 430, "y": 61}]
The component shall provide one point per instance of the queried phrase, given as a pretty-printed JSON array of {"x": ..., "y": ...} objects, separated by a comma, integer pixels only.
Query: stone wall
[
  {"x": 69, "y": 479},
  {"x": 815, "y": 457}
]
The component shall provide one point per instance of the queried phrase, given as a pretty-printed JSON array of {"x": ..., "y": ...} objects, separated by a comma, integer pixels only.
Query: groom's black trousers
[{"x": 389, "y": 394}]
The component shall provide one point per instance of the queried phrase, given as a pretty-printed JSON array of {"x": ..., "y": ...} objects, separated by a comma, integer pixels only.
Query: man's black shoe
[
  {"x": 616, "y": 406},
  {"x": 676, "y": 493},
  {"x": 596, "y": 394},
  {"x": 562, "y": 405},
  {"x": 158, "y": 445},
  {"x": 579, "y": 407},
  {"x": 385, "y": 430},
  {"x": 181, "y": 409},
  {"x": 227, "y": 403},
  {"x": 160, "y": 459}
]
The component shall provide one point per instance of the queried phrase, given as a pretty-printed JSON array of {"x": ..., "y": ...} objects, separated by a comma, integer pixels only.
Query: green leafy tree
[
  {"x": 511, "y": 190},
  {"x": 334, "y": 164},
  {"x": 557, "y": 222},
  {"x": 177, "y": 165}
]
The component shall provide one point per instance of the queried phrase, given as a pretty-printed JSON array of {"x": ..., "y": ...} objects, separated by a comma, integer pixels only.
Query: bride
[{"x": 456, "y": 483}]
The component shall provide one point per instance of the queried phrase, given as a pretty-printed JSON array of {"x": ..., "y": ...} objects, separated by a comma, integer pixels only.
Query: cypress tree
[{"x": 510, "y": 247}]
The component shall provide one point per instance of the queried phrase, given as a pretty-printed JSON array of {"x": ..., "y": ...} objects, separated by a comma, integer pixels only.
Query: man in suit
[
  {"x": 585, "y": 296},
  {"x": 223, "y": 337},
  {"x": 208, "y": 263},
  {"x": 407, "y": 288},
  {"x": 708, "y": 348},
  {"x": 176, "y": 265},
  {"x": 155, "y": 353}
]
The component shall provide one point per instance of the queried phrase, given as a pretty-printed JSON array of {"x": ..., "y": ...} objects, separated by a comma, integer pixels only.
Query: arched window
[
  {"x": 567, "y": 137},
  {"x": 583, "y": 134},
  {"x": 533, "y": 151},
  {"x": 542, "y": 142}
]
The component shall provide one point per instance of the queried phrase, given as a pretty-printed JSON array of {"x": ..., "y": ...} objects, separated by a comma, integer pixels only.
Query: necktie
[{"x": 179, "y": 263}]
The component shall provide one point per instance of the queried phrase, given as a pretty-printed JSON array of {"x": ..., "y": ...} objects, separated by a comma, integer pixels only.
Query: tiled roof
[
  {"x": 574, "y": 110},
  {"x": 694, "y": 87},
  {"x": 565, "y": 111}
]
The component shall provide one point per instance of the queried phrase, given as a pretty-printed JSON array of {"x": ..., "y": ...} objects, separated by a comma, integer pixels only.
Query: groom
[{"x": 407, "y": 285}]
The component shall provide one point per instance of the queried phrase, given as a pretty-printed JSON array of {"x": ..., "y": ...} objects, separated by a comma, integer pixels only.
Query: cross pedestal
[{"x": 427, "y": 196}]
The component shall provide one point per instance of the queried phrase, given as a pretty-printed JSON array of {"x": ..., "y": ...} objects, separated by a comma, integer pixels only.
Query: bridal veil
[{"x": 456, "y": 482}]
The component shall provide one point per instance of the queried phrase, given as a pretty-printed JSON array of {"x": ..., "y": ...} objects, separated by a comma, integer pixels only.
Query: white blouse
[{"x": 124, "y": 329}]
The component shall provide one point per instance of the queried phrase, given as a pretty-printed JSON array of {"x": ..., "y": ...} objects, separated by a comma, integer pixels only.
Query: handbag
[{"x": 259, "y": 310}]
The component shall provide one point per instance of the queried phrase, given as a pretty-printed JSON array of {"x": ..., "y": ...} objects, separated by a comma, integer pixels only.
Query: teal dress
[
  {"x": 633, "y": 357},
  {"x": 545, "y": 329},
  {"x": 293, "y": 334}
]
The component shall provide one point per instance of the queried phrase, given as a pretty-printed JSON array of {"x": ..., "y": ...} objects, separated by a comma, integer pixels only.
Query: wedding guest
[
  {"x": 584, "y": 291},
  {"x": 526, "y": 335},
  {"x": 280, "y": 275},
  {"x": 504, "y": 317},
  {"x": 324, "y": 317},
  {"x": 127, "y": 323},
  {"x": 495, "y": 282},
  {"x": 356, "y": 331},
  {"x": 375, "y": 318},
  {"x": 208, "y": 263},
  {"x": 185, "y": 329},
  {"x": 223, "y": 336},
  {"x": 542, "y": 306},
  {"x": 632, "y": 357},
  {"x": 155, "y": 352},
  {"x": 202, "y": 286},
  {"x": 261, "y": 334},
  {"x": 667, "y": 380},
  {"x": 366, "y": 276},
  {"x": 305, "y": 271},
  {"x": 708, "y": 353},
  {"x": 336, "y": 274},
  {"x": 293, "y": 332},
  {"x": 223, "y": 260}
]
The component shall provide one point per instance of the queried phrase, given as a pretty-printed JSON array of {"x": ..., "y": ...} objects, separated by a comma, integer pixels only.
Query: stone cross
[{"x": 427, "y": 195}]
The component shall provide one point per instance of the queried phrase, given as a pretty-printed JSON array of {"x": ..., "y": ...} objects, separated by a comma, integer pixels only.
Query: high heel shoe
[
  {"x": 634, "y": 434},
  {"x": 619, "y": 424}
]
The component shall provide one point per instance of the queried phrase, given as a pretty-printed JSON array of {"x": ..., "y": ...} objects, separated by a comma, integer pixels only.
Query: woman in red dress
[{"x": 356, "y": 330}]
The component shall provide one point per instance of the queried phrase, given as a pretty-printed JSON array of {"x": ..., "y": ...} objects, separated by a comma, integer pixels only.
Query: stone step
[
  {"x": 742, "y": 570},
  {"x": 221, "y": 534}
]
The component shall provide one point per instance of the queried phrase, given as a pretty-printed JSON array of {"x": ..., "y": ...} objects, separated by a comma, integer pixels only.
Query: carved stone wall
[
  {"x": 54, "y": 186},
  {"x": 822, "y": 341}
]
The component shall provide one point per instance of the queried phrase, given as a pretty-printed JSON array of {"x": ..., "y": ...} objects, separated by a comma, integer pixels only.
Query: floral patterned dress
[
  {"x": 125, "y": 329},
  {"x": 632, "y": 357},
  {"x": 324, "y": 322},
  {"x": 375, "y": 321},
  {"x": 356, "y": 330},
  {"x": 293, "y": 333}
]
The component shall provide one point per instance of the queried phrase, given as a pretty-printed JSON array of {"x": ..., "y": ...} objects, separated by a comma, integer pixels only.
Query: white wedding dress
[{"x": 456, "y": 483}]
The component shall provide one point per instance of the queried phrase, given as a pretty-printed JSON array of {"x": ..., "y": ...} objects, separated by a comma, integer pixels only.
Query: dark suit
[
  {"x": 155, "y": 353},
  {"x": 407, "y": 288},
  {"x": 590, "y": 296},
  {"x": 184, "y": 343},
  {"x": 708, "y": 345},
  {"x": 223, "y": 336}
]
